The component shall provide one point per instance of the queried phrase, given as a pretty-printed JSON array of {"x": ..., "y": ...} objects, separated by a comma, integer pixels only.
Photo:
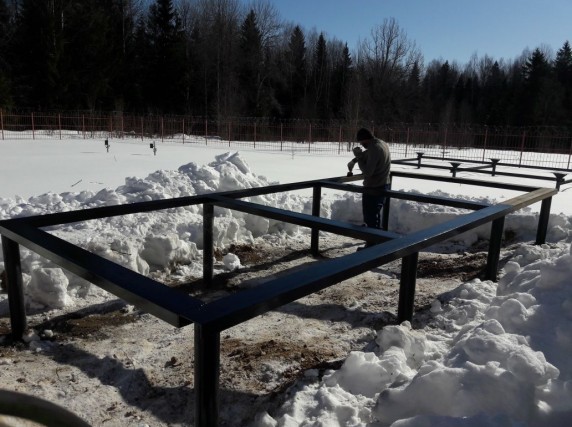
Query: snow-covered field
[{"x": 484, "y": 354}]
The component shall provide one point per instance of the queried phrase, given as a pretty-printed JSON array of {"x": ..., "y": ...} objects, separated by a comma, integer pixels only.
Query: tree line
[{"x": 224, "y": 58}]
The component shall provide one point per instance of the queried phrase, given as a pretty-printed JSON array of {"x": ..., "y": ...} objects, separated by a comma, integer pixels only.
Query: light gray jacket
[{"x": 375, "y": 163}]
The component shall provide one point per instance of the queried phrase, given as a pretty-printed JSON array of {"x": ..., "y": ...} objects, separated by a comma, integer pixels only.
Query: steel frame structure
[{"x": 210, "y": 319}]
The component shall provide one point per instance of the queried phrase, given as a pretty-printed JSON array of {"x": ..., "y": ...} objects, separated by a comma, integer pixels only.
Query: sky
[
  {"x": 451, "y": 30},
  {"x": 489, "y": 351}
]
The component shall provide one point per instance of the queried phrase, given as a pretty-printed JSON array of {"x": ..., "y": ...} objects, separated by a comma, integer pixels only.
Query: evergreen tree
[
  {"x": 5, "y": 35},
  {"x": 563, "y": 69},
  {"x": 321, "y": 78},
  {"x": 164, "y": 85},
  {"x": 341, "y": 76},
  {"x": 250, "y": 66},
  {"x": 37, "y": 53},
  {"x": 540, "y": 97},
  {"x": 297, "y": 72}
]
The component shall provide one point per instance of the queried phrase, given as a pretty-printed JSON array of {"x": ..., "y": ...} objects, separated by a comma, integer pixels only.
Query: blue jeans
[{"x": 371, "y": 207}]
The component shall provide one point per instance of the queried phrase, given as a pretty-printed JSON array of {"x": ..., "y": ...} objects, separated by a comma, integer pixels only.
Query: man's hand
[{"x": 357, "y": 151}]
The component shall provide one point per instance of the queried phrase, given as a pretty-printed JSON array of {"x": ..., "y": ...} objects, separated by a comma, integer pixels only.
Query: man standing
[{"x": 375, "y": 163}]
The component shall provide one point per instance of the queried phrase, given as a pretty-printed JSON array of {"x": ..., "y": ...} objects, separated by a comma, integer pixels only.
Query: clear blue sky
[{"x": 442, "y": 29}]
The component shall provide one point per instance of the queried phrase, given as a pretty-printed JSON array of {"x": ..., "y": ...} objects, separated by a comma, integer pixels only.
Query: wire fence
[{"x": 549, "y": 147}]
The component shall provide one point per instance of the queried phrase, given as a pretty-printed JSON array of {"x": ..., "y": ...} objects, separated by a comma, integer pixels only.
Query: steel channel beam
[
  {"x": 305, "y": 220},
  {"x": 168, "y": 304},
  {"x": 466, "y": 181},
  {"x": 421, "y": 198}
]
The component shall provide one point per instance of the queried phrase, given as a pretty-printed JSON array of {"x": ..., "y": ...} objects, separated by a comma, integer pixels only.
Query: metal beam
[{"x": 168, "y": 304}]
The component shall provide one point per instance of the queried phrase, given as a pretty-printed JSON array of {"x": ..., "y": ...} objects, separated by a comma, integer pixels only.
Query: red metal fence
[{"x": 541, "y": 146}]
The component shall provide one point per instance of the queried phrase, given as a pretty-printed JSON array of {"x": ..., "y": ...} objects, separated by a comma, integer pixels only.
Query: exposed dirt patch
[{"x": 142, "y": 370}]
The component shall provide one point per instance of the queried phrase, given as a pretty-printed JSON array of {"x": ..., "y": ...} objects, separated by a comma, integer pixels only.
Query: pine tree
[
  {"x": 563, "y": 69},
  {"x": 250, "y": 65},
  {"x": 297, "y": 70},
  {"x": 341, "y": 77},
  {"x": 5, "y": 35},
  {"x": 321, "y": 78},
  {"x": 166, "y": 58},
  {"x": 37, "y": 53}
]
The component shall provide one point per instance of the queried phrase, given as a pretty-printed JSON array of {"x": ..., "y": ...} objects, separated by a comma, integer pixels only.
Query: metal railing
[{"x": 211, "y": 318}]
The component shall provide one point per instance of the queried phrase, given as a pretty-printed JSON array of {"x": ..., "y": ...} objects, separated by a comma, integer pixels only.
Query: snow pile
[{"x": 488, "y": 358}]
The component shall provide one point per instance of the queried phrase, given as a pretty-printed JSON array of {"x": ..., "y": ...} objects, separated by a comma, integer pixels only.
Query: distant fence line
[{"x": 544, "y": 146}]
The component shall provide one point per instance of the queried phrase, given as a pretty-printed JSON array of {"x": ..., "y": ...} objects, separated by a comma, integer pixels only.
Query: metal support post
[
  {"x": 494, "y": 161},
  {"x": 455, "y": 167},
  {"x": 385, "y": 211},
  {"x": 316, "y": 203},
  {"x": 207, "y": 371},
  {"x": 407, "y": 287},
  {"x": 493, "y": 256},
  {"x": 419, "y": 157},
  {"x": 543, "y": 221},
  {"x": 15, "y": 287},
  {"x": 559, "y": 179},
  {"x": 208, "y": 243}
]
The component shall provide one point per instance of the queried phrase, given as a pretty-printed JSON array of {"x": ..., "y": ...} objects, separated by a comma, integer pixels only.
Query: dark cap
[{"x": 363, "y": 134}]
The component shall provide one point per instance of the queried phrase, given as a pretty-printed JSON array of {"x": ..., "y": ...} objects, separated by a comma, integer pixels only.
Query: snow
[{"x": 494, "y": 354}]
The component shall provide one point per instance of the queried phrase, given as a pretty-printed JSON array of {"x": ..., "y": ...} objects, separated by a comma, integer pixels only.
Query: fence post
[
  {"x": 206, "y": 131},
  {"x": 60, "y": 125},
  {"x": 162, "y": 128},
  {"x": 521, "y": 148},
  {"x": 183, "y": 131},
  {"x": 122, "y": 126},
  {"x": 110, "y": 126},
  {"x": 2, "y": 124},
  {"x": 340, "y": 141},
  {"x": 33, "y": 130},
  {"x": 141, "y": 128},
  {"x": 83, "y": 125},
  {"x": 281, "y": 135},
  {"x": 309, "y": 136},
  {"x": 407, "y": 142}
]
